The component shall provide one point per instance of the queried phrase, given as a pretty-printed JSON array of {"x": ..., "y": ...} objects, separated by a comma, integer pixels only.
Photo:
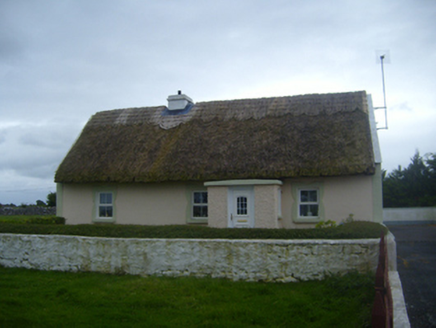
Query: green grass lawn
[{"x": 30, "y": 298}]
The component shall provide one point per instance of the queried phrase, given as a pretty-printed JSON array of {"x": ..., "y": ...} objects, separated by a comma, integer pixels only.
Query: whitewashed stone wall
[{"x": 252, "y": 260}]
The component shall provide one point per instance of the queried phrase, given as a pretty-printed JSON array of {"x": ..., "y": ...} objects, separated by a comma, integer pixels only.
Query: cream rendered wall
[
  {"x": 266, "y": 202},
  {"x": 266, "y": 206},
  {"x": 77, "y": 203},
  {"x": 342, "y": 196},
  {"x": 153, "y": 204},
  {"x": 377, "y": 194},
  {"x": 351, "y": 195},
  {"x": 217, "y": 207},
  {"x": 170, "y": 203}
]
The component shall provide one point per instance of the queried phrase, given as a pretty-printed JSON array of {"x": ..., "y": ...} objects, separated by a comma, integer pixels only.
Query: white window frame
[
  {"x": 308, "y": 203},
  {"x": 99, "y": 204},
  {"x": 194, "y": 204}
]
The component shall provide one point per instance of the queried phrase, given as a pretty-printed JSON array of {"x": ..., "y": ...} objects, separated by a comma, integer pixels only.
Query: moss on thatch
[{"x": 314, "y": 135}]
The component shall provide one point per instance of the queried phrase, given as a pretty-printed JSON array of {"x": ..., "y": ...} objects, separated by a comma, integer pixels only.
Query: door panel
[{"x": 241, "y": 208}]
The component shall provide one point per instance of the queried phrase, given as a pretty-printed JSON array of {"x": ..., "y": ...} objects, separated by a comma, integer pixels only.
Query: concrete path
[{"x": 416, "y": 261}]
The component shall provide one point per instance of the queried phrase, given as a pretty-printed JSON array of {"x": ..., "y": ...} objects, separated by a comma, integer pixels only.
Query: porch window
[
  {"x": 199, "y": 205},
  {"x": 308, "y": 206},
  {"x": 105, "y": 205},
  {"x": 241, "y": 206}
]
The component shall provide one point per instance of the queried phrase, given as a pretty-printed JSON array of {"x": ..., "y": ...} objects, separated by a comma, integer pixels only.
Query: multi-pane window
[
  {"x": 308, "y": 203},
  {"x": 105, "y": 205},
  {"x": 241, "y": 205},
  {"x": 199, "y": 204}
]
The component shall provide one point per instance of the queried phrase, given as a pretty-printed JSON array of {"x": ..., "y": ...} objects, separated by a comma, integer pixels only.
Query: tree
[
  {"x": 414, "y": 186},
  {"x": 40, "y": 203},
  {"x": 51, "y": 199}
]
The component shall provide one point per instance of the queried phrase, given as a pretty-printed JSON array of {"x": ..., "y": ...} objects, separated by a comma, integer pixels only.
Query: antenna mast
[{"x": 382, "y": 57}]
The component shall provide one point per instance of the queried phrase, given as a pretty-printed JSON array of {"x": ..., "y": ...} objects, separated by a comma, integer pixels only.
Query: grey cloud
[
  {"x": 62, "y": 61},
  {"x": 2, "y": 136},
  {"x": 34, "y": 150},
  {"x": 11, "y": 49},
  {"x": 45, "y": 171},
  {"x": 50, "y": 136},
  {"x": 30, "y": 162},
  {"x": 404, "y": 106}
]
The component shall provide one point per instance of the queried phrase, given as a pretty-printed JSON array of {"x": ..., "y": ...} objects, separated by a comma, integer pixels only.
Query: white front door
[{"x": 241, "y": 207}]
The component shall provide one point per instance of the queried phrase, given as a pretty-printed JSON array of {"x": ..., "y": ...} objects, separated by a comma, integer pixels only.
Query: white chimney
[{"x": 179, "y": 101}]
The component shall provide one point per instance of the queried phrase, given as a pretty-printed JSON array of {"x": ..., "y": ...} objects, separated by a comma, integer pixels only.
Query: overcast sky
[{"x": 61, "y": 61}]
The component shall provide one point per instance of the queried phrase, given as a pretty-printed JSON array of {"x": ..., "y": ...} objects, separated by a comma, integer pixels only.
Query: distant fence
[
  {"x": 28, "y": 210},
  {"x": 409, "y": 215},
  {"x": 382, "y": 310}
]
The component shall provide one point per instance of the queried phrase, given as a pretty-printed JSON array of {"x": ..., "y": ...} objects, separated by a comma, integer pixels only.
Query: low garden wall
[
  {"x": 409, "y": 215},
  {"x": 28, "y": 210},
  {"x": 252, "y": 260}
]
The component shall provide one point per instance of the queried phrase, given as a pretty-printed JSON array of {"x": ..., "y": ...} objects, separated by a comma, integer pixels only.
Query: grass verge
[
  {"x": 32, "y": 298},
  {"x": 352, "y": 230}
]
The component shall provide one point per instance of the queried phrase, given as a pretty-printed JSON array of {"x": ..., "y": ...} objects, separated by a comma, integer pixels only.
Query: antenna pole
[{"x": 382, "y": 57}]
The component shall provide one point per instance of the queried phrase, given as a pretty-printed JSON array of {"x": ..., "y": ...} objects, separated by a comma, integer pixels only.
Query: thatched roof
[{"x": 308, "y": 135}]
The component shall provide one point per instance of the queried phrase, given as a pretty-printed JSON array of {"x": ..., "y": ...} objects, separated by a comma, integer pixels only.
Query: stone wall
[
  {"x": 252, "y": 260},
  {"x": 28, "y": 210}
]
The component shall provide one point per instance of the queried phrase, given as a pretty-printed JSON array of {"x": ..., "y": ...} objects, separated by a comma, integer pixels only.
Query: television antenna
[{"x": 382, "y": 57}]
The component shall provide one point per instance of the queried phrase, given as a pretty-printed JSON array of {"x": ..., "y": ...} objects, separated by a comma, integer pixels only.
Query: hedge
[{"x": 352, "y": 230}]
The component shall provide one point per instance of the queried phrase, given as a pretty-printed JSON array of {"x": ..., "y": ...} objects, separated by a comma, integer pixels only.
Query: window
[
  {"x": 105, "y": 205},
  {"x": 241, "y": 205},
  {"x": 308, "y": 206},
  {"x": 199, "y": 204}
]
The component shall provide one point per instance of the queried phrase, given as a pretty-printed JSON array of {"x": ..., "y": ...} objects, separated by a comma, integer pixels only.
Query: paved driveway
[{"x": 416, "y": 260}]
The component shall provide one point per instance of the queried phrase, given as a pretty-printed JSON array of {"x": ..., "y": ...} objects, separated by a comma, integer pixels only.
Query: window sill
[
  {"x": 200, "y": 221},
  {"x": 307, "y": 220},
  {"x": 104, "y": 220}
]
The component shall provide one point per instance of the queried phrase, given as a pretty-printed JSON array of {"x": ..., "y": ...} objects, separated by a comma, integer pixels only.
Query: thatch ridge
[{"x": 315, "y": 135}]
